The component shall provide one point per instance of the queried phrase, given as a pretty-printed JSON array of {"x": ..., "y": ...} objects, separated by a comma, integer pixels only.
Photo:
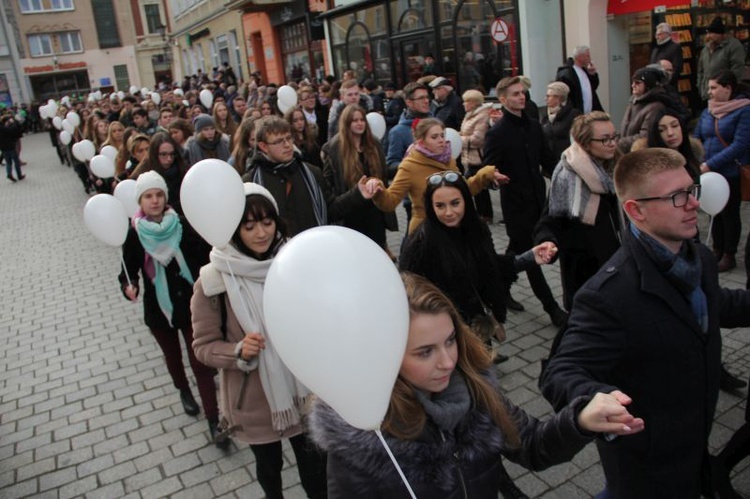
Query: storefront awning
[{"x": 617, "y": 7}]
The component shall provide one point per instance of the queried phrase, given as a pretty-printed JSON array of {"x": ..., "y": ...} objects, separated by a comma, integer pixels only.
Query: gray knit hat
[
  {"x": 150, "y": 180},
  {"x": 202, "y": 121},
  {"x": 257, "y": 189}
]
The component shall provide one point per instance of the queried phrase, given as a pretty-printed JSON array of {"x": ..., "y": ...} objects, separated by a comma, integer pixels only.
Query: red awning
[{"x": 617, "y": 7}]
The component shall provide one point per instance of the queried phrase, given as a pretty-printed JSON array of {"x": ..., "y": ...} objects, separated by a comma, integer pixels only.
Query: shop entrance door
[{"x": 409, "y": 57}]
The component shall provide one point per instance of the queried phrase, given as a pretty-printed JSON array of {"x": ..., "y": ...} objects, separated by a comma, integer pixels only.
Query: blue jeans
[{"x": 12, "y": 156}]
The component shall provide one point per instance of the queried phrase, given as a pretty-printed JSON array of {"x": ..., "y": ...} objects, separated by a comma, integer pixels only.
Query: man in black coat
[
  {"x": 667, "y": 50},
  {"x": 447, "y": 106},
  {"x": 580, "y": 75},
  {"x": 515, "y": 145},
  {"x": 647, "y": 324}
]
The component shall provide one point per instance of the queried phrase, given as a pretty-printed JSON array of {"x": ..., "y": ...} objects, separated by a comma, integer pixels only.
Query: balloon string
[
  {"x": 395, "y": 463},
  {"x": 710, "y": 225},
  {"x": 125, "y": 267}
]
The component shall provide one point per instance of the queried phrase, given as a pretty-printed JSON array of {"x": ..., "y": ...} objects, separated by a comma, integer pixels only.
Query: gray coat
[{"x": 729, "y": 54}]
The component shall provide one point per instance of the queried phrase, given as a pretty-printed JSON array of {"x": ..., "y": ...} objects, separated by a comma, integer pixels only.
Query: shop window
[
  {"x": 70, "y": 42},
  {"x": 40, "y": 45},
  {"x": 411, "y": 15},
  {"x": 122, "y": 79},
  {"x": 29, "y": 6},
  {"x": 470, "y": 55},
  {"x": 295, "y": 52},
  {"x": 353, "y": 37}
]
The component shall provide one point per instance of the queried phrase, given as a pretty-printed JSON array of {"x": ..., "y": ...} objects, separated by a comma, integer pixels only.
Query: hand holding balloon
[{"x": 131, "y": 292}]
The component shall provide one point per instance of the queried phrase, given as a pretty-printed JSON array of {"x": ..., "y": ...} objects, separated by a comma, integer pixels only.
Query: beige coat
[
  {"x": 473, "y": 129},
  {"x": 245, "y": 407}
]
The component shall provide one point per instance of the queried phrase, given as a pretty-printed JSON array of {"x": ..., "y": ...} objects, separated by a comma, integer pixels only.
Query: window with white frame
[
  {"x": 30, "y": 6},
  {"x": 70, "y": 41},
  {"x": 62, "y": 5},
  {"x": 201, "y": 59},
  {"x": 214, "y": 53},
  {"x": 40, "y": 45},
  {"x": 186, "y": 62}
]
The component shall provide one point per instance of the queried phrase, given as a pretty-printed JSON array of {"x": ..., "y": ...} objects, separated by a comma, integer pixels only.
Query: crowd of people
[{"x": 617, "y": 209}]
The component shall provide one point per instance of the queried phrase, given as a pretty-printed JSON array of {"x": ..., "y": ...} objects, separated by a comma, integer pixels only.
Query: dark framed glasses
[
  {"x": 449, "y": 177},
  {"x": 679, "y": 198}
]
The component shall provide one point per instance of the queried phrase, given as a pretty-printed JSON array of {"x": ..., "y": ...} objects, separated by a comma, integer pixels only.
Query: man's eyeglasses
[
  {"x": 283, "y": 140},
  {"x": 447, "y": 177},
  {"x": 608, "y": 140},
  {"x": 679, "y": 198}
]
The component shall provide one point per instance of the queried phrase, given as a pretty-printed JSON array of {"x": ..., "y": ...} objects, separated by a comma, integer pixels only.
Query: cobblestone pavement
[{"x": 87, "y": 407}]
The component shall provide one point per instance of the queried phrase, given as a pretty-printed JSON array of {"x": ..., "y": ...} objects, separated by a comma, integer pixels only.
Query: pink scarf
[
  {"x": 720, "y": 109},
  {"x": 443, "y": 157}
]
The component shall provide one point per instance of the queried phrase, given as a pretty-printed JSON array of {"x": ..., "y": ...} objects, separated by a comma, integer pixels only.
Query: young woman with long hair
[
  {"x": 165, "y": 159},
  {"x": 447, "y": 423},
  {"x": 224, "y": 122},
  {"x": 244, "y": 146},
  {"x": 350, "y": 156},
  {"x": 304, "y": 135},
  {"x": 262, "y": 402}
]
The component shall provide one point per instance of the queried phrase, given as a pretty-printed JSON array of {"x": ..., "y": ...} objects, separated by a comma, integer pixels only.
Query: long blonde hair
[
  {"x": 406, "y": 418},
  {"x": 350, "y": 164}
]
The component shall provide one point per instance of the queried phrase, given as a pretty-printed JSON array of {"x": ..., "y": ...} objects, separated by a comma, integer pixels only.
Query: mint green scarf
[{"x": 161, "y": 241}]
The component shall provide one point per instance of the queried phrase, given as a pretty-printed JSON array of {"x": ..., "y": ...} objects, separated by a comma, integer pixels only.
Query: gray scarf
[{"x": 448, "y": 407}]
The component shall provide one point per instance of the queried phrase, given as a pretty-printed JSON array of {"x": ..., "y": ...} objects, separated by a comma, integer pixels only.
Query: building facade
[
  {"x": 70, "y": 47},
  {"x": 154, "y": 47}
]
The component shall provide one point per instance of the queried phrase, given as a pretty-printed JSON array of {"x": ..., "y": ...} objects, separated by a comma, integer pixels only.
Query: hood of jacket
[{"x": 428, "y": 459}]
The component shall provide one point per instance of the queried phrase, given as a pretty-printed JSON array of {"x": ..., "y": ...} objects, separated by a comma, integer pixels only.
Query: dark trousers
[
  {"x": 727, "y": 225},
  {"x": 11, "y": 158},
  {"x": 518, "y": 244},
  {"x": 311, "y": 463},
  {"x": 169, "y": 342}
]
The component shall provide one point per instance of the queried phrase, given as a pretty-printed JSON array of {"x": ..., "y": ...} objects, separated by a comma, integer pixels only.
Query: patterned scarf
[
  {"x": 316, "y": 194},
  {"x": 161, "y": 242},
  {"x": 442, "y": 157},
  {"x": 682, "y": 269}
]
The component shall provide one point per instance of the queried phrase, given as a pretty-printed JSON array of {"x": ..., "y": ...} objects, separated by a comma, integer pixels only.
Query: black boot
[
  {"x": 505, "y": 485},
  {"x": 218, "y": 437},
  {"x": 188, "y": 403},
  {"x": 513, "y": 304},
  {"x": 728, "y": 382}
]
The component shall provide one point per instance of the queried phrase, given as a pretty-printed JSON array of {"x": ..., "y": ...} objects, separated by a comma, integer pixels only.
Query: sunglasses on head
[{"x": 447, "y": 177}]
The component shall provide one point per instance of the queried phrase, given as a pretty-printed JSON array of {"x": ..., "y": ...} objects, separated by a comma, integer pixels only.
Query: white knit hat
[
  {"x": 251, "y": 188},
  {"x": 150, "y": 180}
]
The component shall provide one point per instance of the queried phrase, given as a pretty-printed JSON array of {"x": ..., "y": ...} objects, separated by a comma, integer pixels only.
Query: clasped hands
[{"x": 368, "y": 187}]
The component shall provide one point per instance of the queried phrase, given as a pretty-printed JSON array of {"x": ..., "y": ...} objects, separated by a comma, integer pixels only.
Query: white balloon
[
  {"x": 287, "y": 96},
  {"x": 43, "y": 112},
  {"x": 145, "y": 91},
  {"x": 376, "y": 122},
  {"x": 109, "y": 151},
  {"x": 155, "y": 97},
  {"x": 283, "y": 107},
  {"x": 68, "y": 126},
  {"x": 57, "y": 122},
  {"x": 178, "y": 91},
  {"x": 73, "y": 117},
  {"x": 207, "y": 98},
  {"x": 65, "y": 137},
  {"x": 714, "y": 192},
  {"x": 102, "y": 166},
  {"x": 78, "y": 152},
  {"x": 213, "y": 199},
  {"x": 52, "y": 107},
  {"x": 65, "y": 100},
  {"x": 121, "y": 95},
  {"x": 105, "y": 217},
  {"x": 455, "y": 139},
  {"x": 87, "y": 148},
  {"x": 336, "y": 342},
  {"x": 185, "y": 103},
  {"x": 92, "y": 98},
  {"x": 125, "y": 192},
  {"x": 133, "y": 89}
]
